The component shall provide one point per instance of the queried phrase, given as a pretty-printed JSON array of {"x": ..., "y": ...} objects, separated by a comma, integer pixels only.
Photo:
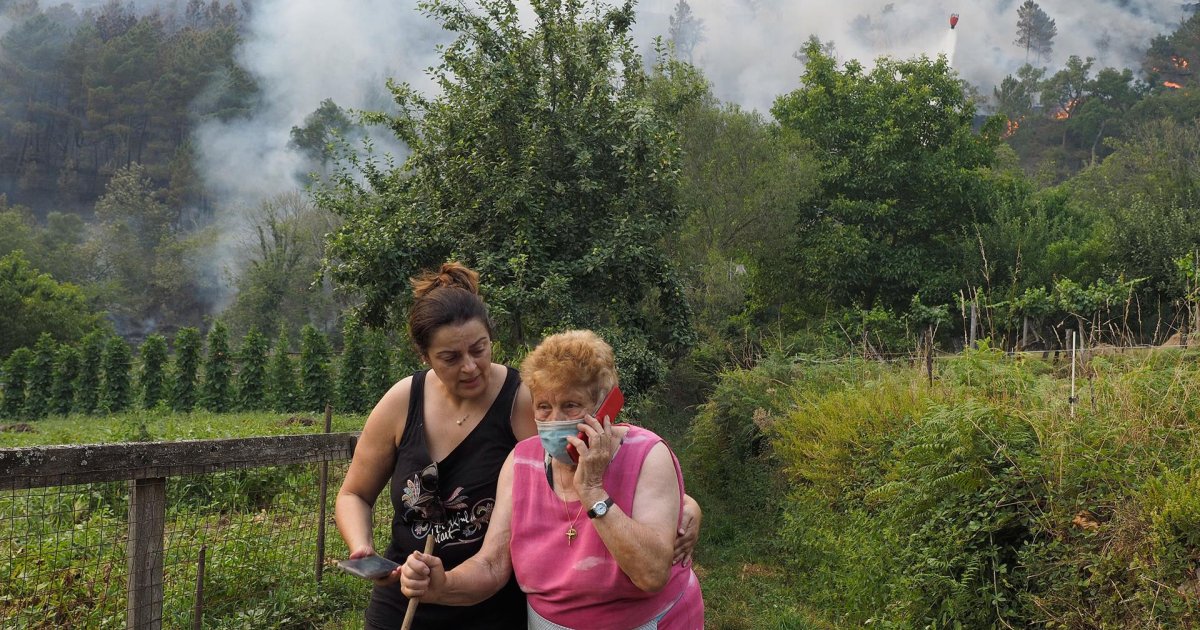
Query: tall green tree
[
  {"x": 378, "y": 377},
  {"x": 685, "y": 30},
  {"x": 900, "y": 184},
  {"x": 252, "y": 371},
  {"x": 543, "y": 163},
  {"x": 41, "y": 377},
  {"x": 279, "y": 279},
  {"x": 66, "y": 374},
  {"x": 152, "y": 379},
  {"x": 351, "y": 395},
  {"x": 117, "y": 392},
  {"x": 187, "y": 364},
  {"x": 1035, "y": 30},
  {"x": 91, "y": 371},
  {"x": 16, "y": 382},
  {"x": 316, "y": 370},
  {"x": 217, "y": 394},
  {"x": 282, "y": 389},
  {"x": 1014, "y": 95}
]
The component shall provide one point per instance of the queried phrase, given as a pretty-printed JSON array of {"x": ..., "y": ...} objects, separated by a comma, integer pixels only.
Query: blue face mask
[{"x": 553, "y": 434}]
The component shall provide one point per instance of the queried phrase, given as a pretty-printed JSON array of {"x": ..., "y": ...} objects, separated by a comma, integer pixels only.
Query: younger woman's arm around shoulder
[
  {"x": 523, "y": 425},
  {"x": 478, "y": 577},
  {"x": 370, "y": 469}
]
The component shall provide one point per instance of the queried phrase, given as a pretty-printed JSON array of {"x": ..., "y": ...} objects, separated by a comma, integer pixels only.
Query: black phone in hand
[{"x": 370, "y": 567}]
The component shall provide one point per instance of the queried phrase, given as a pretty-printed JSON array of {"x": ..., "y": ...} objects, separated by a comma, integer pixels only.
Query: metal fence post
[
  {"x": 147, "y": 520},
  {"x": 324, "y": 494}
]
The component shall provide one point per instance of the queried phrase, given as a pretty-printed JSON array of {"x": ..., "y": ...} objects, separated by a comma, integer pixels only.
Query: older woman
[{"x": 611, "y": 569}]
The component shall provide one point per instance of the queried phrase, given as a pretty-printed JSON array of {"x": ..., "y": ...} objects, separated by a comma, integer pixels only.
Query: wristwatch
[{"x": 600, "y": 508}]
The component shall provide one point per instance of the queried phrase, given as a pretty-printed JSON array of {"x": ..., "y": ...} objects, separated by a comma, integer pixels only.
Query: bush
[
  {"x": 152, "y": 380},
  {"x": 963, "y": 495},
  {"x": 316, "y": 373},
  {"x": 218, "y": 372},
  {"x": 91, "y": 366},
  {"x": 187, "y": 364},
  {"x": 16, "y": 380},
  {"x": 379, "y": 377},
  {"x": 117, "y": 393},
  {"x": 252, "y": 371},
  {"x": 282, "y": 391},
  {"x": 66, "y": 373},
  {"x": 41, "y": 378},
  {"x": 351, "y": 391}
]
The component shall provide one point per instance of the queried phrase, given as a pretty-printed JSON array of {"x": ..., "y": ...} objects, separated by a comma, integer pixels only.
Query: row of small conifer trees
[{"x": 98, "y": 375}]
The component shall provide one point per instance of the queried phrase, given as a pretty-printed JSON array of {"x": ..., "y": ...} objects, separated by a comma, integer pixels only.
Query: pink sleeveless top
[{"x": 580, "y": 585}]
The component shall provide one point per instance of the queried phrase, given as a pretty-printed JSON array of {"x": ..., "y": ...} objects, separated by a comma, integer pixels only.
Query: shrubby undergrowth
[{"x": 977, "y": 502}]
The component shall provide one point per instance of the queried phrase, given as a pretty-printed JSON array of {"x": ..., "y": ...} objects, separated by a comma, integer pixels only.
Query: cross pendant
[{"x": 570, "y": 536}]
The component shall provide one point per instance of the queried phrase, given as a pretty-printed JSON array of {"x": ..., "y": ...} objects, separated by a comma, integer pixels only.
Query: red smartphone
[{"x": 610, "y": 407}]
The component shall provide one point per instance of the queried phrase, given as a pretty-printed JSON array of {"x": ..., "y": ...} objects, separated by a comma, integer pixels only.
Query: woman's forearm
[
  {"x": 471, "y": 582},
  {"x": 353, "y": 517}
]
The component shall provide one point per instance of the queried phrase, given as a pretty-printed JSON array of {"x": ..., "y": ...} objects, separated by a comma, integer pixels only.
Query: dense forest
[{"x": 880, "y": 205}]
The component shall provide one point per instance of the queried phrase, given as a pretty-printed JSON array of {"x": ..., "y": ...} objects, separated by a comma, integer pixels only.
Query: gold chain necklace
[{"x": 571, "y": 533}]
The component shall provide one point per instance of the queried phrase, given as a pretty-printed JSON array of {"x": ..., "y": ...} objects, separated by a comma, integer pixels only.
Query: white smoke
[
  {"x": 748, "y": 44},
  {"x": 304, "y": 51}
]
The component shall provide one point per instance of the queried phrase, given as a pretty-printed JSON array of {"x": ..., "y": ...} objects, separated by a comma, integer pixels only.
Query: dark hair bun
[{"x": 450, "y": 274}]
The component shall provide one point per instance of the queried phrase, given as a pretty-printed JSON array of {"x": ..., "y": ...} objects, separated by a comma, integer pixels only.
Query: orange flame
[
  {"x": 1179, "y": 62},
  {"x": 1011, "y": 126},
  {"x": 1066, "y": 111},
  {"x": 1171, "y": 84}
]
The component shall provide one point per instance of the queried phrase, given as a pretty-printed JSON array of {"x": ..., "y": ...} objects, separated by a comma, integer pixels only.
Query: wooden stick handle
[{"x": 412, "y": 603}]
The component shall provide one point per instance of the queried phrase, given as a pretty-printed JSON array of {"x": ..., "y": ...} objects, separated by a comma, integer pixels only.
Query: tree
[
  {"x": 1015, "y": 95},
  {"x": 252, "y": 371},
  {"x": 317, "y": 139},
  {"x": 66, "y": 373},
  {"x": 117, "y": 394},
  {"x": 187, "y": 364},
  {"x": 32, "y": 303},
  {"x": 152, "y": 381},
  {"x": 900, "y": 184},
  {"x": 685, "y": 31},
  {"x": 282, "y": 392},
  {"x": 351, "y": 395},
  {"x": 1110, "y": 96},
  {"x": 16, "y": 381},
  {"x": 41, "y": 377},
  {"x": 278, "y": 278},
  {"x": 1035, "y": 30},
  {"x": 218, "y": 372},
  {"x": 316, "y": 372},
  {"x": 91, "y": 366},
  {"x": 378, "y": 378},
  {"x": 535, "y": 136}
]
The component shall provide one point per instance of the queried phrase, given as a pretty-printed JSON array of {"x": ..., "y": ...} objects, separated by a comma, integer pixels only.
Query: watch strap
[{"x": 607, "y": 502}]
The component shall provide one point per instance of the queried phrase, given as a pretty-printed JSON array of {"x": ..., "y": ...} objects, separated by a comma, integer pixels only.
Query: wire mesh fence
[{"x": 189, "y": 544}]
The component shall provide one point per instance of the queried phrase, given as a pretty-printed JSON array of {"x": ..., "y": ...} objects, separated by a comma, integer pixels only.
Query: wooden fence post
[
  {"x": 147, "y": 520},
  {"x": 974, "y": 321},
  {"x": 198, "y": 600}
]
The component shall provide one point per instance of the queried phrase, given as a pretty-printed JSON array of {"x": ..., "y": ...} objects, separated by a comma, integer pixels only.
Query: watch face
[{"x": 601, "y": 508}]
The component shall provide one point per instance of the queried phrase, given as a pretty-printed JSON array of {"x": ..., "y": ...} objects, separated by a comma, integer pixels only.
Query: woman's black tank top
[{"x": 466, "y": 489}]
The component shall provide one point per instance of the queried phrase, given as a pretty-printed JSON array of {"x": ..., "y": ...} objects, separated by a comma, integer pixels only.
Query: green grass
[
  {"x": 155, "y": 424},
  {"x": 62, "y": 551}
]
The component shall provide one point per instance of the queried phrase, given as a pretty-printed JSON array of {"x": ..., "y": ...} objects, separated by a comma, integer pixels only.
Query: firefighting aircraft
[{"x": 953, "y": 20}]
